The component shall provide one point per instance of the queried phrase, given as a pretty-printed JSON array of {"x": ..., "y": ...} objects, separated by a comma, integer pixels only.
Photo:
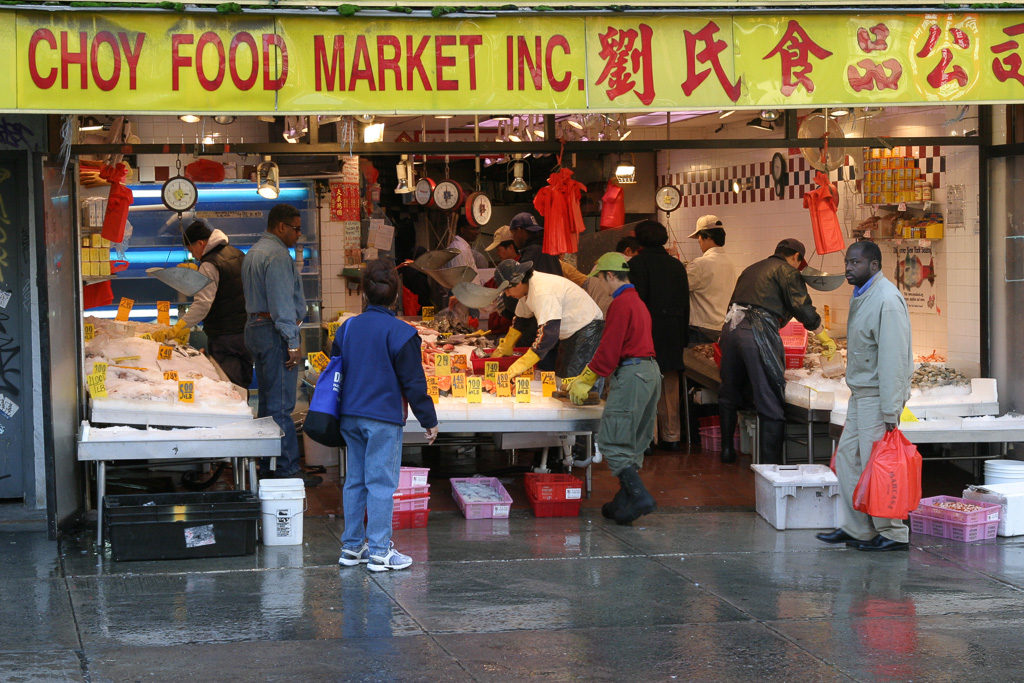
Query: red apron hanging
[{"x": 823, "y": 203}]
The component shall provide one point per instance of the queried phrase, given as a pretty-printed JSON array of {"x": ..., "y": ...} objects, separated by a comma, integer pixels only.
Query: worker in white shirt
[{"x": 712, "y": 277}]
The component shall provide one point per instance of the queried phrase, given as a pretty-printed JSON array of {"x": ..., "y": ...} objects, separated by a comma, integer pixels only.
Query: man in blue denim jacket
[{"x": 275, "y": 308}]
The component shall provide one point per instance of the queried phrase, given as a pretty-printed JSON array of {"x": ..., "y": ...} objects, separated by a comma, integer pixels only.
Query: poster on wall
[{"x": 915, "y": 276}]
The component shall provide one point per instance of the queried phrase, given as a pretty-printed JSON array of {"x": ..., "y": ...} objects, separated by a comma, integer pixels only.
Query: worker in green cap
[{"x": 626, "y": 352}]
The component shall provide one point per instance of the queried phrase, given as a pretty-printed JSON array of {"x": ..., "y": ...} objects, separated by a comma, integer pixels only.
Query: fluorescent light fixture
[
  {"x": 539, "y": 133},
  {"x": 373, "y": 133},
  {"x": 726, "y": 114},
  {"x": 575, "y": 124},
  {"x": 90, "y": 123},
  {"x": 512, "y": 137},
  {"x": 268, "y": 179},
  {"x": 760, "y": 123},
  {"x": 190, "y": 118},
  {"x": 839, "y": 111},
  {"x": 443, "y": 116},
  {"x": 625, "y": 135}
]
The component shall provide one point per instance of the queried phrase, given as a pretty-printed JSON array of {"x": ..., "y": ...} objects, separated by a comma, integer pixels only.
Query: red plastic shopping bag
[
  {"x": 832, "y": 462},
  {"x": 890, "y": 486}
]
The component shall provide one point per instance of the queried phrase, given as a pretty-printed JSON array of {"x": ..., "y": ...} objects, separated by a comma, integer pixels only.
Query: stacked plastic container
[
  {"x": 481, "y": 498},
  {"x": 412, "y": 499},
  {"x": 794, "y": 343},
  {"x": 554, "y": 495},
  {"x": 955, "y": 518},
  {"x": 711, "y": 434}
]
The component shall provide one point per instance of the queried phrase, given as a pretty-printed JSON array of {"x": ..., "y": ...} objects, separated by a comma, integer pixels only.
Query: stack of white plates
[{"x": 1003, "y": 471}]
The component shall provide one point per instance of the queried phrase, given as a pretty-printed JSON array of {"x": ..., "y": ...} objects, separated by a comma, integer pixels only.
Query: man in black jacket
[
  {"x": 767, "y": 295},
  {"x": 660, "y": 280}
]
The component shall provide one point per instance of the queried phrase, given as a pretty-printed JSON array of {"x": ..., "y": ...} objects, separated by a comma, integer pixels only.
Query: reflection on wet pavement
[{"x": 690, "y": 595}]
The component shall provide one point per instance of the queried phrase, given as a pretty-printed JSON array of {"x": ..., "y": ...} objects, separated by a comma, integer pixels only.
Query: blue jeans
[
  {"x": 276, "y": 388},
  {"x": 374, "y": 458}
]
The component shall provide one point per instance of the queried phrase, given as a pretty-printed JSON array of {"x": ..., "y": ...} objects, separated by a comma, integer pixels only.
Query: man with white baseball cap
[{"x": 712, "y": 277}]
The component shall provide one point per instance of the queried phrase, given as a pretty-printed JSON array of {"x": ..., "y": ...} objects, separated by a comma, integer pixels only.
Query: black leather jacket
[{"x": 776, "y": 286}]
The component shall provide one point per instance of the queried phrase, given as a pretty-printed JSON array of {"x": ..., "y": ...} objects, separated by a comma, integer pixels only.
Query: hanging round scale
[
  {"x": 424, "y": 191},
  {"x": 447, "y": 195},
  {"x": 478, "y": 209},
  {"x": 668, "y": 198}
]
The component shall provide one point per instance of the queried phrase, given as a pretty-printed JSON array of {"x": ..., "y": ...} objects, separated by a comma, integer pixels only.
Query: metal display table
[{"x": 243, "y": 442}]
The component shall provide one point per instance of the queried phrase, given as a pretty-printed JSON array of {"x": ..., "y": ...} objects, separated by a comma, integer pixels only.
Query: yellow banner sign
[{"x": 150, "y": 62}]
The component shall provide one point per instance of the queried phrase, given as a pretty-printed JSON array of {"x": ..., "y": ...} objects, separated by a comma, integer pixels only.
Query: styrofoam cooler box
[
  {"x": 1010, "y": 497},
  {"x": 797, "y": 496}
]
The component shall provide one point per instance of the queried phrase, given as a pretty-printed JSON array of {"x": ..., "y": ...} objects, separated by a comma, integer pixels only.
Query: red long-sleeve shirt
[{"x": 627, "y": 332}]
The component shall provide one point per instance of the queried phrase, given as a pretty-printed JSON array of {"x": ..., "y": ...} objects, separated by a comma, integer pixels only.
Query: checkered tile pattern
[{"x": 713, "y": 187}]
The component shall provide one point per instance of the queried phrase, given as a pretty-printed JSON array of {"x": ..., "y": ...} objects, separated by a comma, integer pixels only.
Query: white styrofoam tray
[{"x": 1010, "y": 497}]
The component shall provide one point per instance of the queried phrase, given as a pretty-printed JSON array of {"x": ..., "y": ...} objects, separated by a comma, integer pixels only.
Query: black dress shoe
[
  {"x": 670, "y": 446},
  {"x": 837, "y": 536},
  {"x": 878, "y": 543}
]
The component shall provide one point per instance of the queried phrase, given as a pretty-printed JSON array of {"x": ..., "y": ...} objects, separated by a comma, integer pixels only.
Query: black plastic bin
[{"x": 173, "y": 526}]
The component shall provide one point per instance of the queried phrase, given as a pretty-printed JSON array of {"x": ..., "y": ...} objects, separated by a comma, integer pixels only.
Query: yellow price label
[
  {"x": 147, "y": 336},
  {"x": 459, "y": 385},
  {"x": 522, "y": 389},
  {"x": 460, "y": 361},
  {"x": 164, "y": 352},
  {"x": 428, "y": 312},
  {"x": 90, "y": 331},
  {"x": 504, "y": 384},
  {"x": 432, "y": 389},
  {"x": 442, "y": 364},
  {"x": 490, "y": 369},
  {"x": 124, "y": 309},
  {"x": 171, "y": 375},
  {"x": 474, "y": 389},
  {"x": 318, "y": 361},
  {"x": 99, "y": 368},
  {"x": 332, "y": 329},
  {"x": 97, "y": 384},
  {"x": 547, "y": 383},
  {"x": 186, "y": 391},
  {"x": 163, "y": 312}
]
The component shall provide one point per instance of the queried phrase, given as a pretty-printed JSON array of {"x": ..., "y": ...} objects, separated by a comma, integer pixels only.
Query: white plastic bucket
[
  {"x": 282, "y": 502},
  {"x": 1004, "y": 471}
]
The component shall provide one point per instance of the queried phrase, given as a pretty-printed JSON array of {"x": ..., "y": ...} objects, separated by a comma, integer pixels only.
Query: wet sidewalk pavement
[{"x": 682, "y": 595}]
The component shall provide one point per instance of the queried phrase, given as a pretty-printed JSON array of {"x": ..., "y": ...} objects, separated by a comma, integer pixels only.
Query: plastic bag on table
[{"x": 890, "y": 486}]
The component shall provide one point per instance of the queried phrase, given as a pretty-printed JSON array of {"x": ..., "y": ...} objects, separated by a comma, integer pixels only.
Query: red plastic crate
[
  {"x": 503, "y": 363},
  {"x": 794, "y": 343},
  {"x": 554, "y": 495},
  {"x": 409, "y": 519},
  {"x": 956, "y": 531},
  {"x": 989, "y": 513},
  {"x": 407, "y": 503}
]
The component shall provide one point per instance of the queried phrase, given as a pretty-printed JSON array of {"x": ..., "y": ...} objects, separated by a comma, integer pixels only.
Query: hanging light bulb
[
  {"x": 268, "y": 179},
  {"x": 190, "y": 118},
  {"x": 403, "y": 186},
  {"x": 518, "y": 184},
  {"x": 625, "y": 172},
  {"x": 224, "y": 119},
  {"x": 373, "y": 132}
]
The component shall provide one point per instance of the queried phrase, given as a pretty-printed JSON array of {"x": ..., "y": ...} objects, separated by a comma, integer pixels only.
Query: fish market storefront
[{"x": 381, "y": 129}]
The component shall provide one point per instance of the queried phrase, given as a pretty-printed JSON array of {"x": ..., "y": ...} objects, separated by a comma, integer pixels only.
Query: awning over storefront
[{"x": 151, "y": 62}]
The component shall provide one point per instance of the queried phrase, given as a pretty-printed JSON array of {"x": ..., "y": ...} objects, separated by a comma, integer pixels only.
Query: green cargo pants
[{"x": 628, "y": 422}]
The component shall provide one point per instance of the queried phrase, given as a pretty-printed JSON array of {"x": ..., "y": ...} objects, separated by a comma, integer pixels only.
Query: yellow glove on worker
[
  {"x": 188, "y": 264},
  {"x": 505, "y": 345},
  {"x": 581, "y": 386},
  {"x": 828, "y": 343},
  {"x": 527, "y": 361},
  {"x": 179, "y": 333}
]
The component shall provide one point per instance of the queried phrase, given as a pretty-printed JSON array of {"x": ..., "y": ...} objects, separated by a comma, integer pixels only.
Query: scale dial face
[
  {"x": 179, "y": 194},
  {"x": 424, "y": 192},
  {"x": 447, "y": 195},
  {"x": 478, "y": 211},
  {"x": 668, "y": 198},
  {"x": 778, "y": 172}
]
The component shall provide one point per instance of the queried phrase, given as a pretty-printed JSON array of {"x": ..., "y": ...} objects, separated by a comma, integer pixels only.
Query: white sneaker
[
  {"x": 390, "y": 560},
  {"x": 351, "y": 558}
]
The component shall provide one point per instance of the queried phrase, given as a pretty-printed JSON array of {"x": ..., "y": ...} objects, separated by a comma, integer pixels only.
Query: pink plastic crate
[
  {"x": 407, "y": 504},
  {"x": 483, "y": 509},
  {"x": 410, "y": 491},
  {"x": 412, "y": 476},
  {"x": 956, "y": 531},
  {"x": 711, "y": 437},
  {"x": 989, "y": 513}
]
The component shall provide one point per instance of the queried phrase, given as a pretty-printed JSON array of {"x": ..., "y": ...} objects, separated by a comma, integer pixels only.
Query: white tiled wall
[
  {"x": 337, "y": 298},
  {"x": 753, "y": 230}
]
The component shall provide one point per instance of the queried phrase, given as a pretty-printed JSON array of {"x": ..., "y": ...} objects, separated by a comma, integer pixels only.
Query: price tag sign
[
  {"x": 442, "y": 365},
  {"x": 171, "y": 375},
  {"x": 318, "y": 361},
  {"x": 164, "y": 352},
  {"x": 186, "y": 391},
  {"x": 163, "y": 312},
  {"x": 547, "y": 383},
  {"x": 522, "y": 389},
  {"x": 504, "y": 384},
  {"x": 428, "y": 312},
  {"x": 147, "y": 335},
  {"x": 332, "y": 329},
  {"x": 459, "y": 385},
  {"x": 474, "y": 389},
  {"x": 97, "y": 384},
  {"x": 432, "y": 389},
  {"x": 460, "y": 361},
  {"x": 490, "y": 369},
  {"x": 90, "y": 331},
  {"x": 124, "y": 309},
  {"x": 99, "y": 368}
]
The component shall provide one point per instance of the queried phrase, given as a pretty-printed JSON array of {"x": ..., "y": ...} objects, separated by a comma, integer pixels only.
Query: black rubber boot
[
  {"x": 773, "y": 434},
  {"x": 639, "y": 502},
  {"x": 611, "y": 509},
  {"x": 727, "y": 419}
]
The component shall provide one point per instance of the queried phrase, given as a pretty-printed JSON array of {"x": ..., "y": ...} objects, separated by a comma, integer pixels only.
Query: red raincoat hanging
[
  {"x": 823, "y": 203},
  {"x": 559, "y": 203},
  {"x": 613, "y": 205}
]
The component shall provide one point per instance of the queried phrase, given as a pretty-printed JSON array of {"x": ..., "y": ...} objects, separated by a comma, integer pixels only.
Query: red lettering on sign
[
  {"x": 471, "y": 43},
  {"x": 243, "y": 38},
  {"x": 270, "y": 83},
  {"x": 709, "y": 55},
  {"x": 528, "y": 62},
  {"x": 414, "y": 62},
  {"x": 392, "y": 63},
  {"x": 443, "y": 62},
  {"x": 331, "y": 72},
  {"x": 361, "y": 69},
  {"x": 131, "y": 55},
  {"x": 939, "y": 76},
  {"x": 509, "y": 59},
  {"x": 105, "y": 38},
  {"x": 67, "y": 57},
  {"x": 210, "y": 38},
  {"x": 1009, "y": 66},
  {"x": 627, "y": 55},
  {"x": 557, "y": 84},
  {"x": 794, "y": 49},
  {"x": 178, "y": 61},
  {"x": 42, "y": 35}
]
